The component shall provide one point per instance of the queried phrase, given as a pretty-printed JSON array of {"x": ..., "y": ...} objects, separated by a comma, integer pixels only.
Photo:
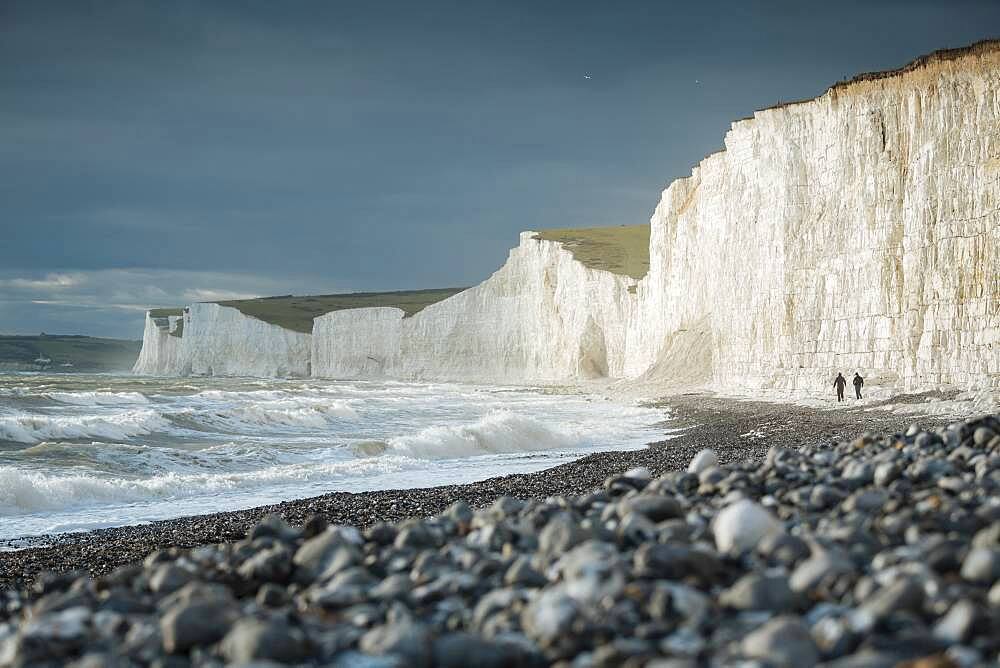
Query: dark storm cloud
[{"x": 200, "y": 148}]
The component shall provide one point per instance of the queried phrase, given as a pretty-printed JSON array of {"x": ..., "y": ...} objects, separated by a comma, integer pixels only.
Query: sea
[{"x": 80, "y": 452}]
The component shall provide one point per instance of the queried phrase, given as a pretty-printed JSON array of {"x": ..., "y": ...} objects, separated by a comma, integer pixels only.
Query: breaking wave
[
  {"x": 130, "y": 460},
  {"x": 497, "y": 433},
  {"x": 98, "y": 398},
  {"x": 118, "y": 427},
  {"x": 24, "y": 492},
  {"x": 284, "y": 414},
  {"x": 80, "y": 450},
  {"x": 304, "y": 413}
]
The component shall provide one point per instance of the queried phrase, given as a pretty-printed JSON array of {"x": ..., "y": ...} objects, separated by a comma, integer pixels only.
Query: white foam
[
  {"x": 98, "y": 456},
  {"x": 30, "y": 428},
  {"x": 132, "y": 460},
  {"x": 299, "y": 412},
  {"x": 28, "y": 492},
  {"x": 98, "y": 398},
  {"x": 229, "y": 395},
  {"x": 498, "y": 432}
]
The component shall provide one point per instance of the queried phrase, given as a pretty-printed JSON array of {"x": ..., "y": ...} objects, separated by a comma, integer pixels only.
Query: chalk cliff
[
  {"x": 221, "y": 341},
  {"x": 856, "y": 231},
  {"x": 161, "y": 347},
  {"x": 542, "y": 317}
]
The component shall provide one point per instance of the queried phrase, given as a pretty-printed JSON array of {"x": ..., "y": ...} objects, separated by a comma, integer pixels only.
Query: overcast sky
[{"x": 156, "y": 153}]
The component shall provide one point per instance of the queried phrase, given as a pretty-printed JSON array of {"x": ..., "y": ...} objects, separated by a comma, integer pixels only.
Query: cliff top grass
[
  {"x": 165, "y": 312},
  {"x": 981, "y": 48},
  {"x": 621, "y": 250},
  {"x": 297, "y": 313}
]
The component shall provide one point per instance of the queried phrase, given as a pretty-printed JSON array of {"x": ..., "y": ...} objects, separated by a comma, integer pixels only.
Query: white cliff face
[
  {"x": 161, "y": 349},
  {"x": 221, "y": 341},
  {"x": 543, "y": 317},
  {"x": 858, "y": 231}
]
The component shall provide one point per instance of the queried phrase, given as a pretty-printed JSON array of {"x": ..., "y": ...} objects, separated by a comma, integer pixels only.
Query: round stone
[
  {"x": 982, "y": 565},
  {"x": 705, "y": 459},
  {"x": 742, "y": 525},
  {"x": 252, "y": 640},
  {"x": 784, "y": 642}
]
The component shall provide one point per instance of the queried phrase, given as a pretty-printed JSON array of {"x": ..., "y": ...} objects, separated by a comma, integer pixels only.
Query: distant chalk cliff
[{"x": 856, "y": 231}]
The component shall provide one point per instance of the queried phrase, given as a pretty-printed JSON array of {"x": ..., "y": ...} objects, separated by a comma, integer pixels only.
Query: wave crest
[
  {"x": 37, "y": 428},
  {"x": 24, "y": 492},
  {"x": 98, "y": 398},
  {"x": 299, "y": 413},
  {"x": 498, "y": 432}
]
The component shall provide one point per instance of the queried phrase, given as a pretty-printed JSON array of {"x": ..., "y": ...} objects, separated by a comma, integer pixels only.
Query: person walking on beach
[
  {"x": 858, "y": 382},
  {"x": 840, "y": 383}
]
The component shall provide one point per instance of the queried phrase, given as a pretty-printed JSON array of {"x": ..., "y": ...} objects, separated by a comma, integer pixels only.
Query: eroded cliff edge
[
  {"x": 859, "y": 230},
  {"x": 856, "y": 231},
  {"x": 544, "y": 317}
]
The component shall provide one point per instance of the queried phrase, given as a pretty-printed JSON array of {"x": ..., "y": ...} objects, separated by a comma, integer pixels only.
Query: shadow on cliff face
[
  {"x": 592, "y": 361},
  {"x": 685, "y": 360}
]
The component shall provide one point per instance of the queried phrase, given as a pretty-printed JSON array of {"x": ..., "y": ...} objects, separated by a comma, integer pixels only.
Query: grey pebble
[
  {"x": 168, "y": 578},
  {"x": 982, "y": 565},
  {"x": 406, "y": 639},
  {"x": 881, "y": 550},
  {"x": 188, "y": 624},
  {"x": 760, "y": 592},
  {"x": 784, "y": 642},
  {"x": 254, "y": 640}
]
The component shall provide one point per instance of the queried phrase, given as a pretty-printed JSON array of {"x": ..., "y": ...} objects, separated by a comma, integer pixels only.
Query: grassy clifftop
[
  {"x": 82, "y": 353},
  {"x": 165, "y": 312},
  {"x": 297, "y": 313},
  {"x": 621, "y": 250}
]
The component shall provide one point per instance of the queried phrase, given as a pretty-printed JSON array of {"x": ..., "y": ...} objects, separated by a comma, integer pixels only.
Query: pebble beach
[{"x": 760, "y": 534}]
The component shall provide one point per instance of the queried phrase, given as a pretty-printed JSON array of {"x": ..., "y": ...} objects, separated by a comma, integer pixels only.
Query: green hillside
[
  {"x": 297, "y": 313},
  {"x": 84, "y": 353}
]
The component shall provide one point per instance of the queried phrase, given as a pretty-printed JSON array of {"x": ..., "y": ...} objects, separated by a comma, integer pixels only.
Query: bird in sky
[{"x": 586, "y": 76}]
